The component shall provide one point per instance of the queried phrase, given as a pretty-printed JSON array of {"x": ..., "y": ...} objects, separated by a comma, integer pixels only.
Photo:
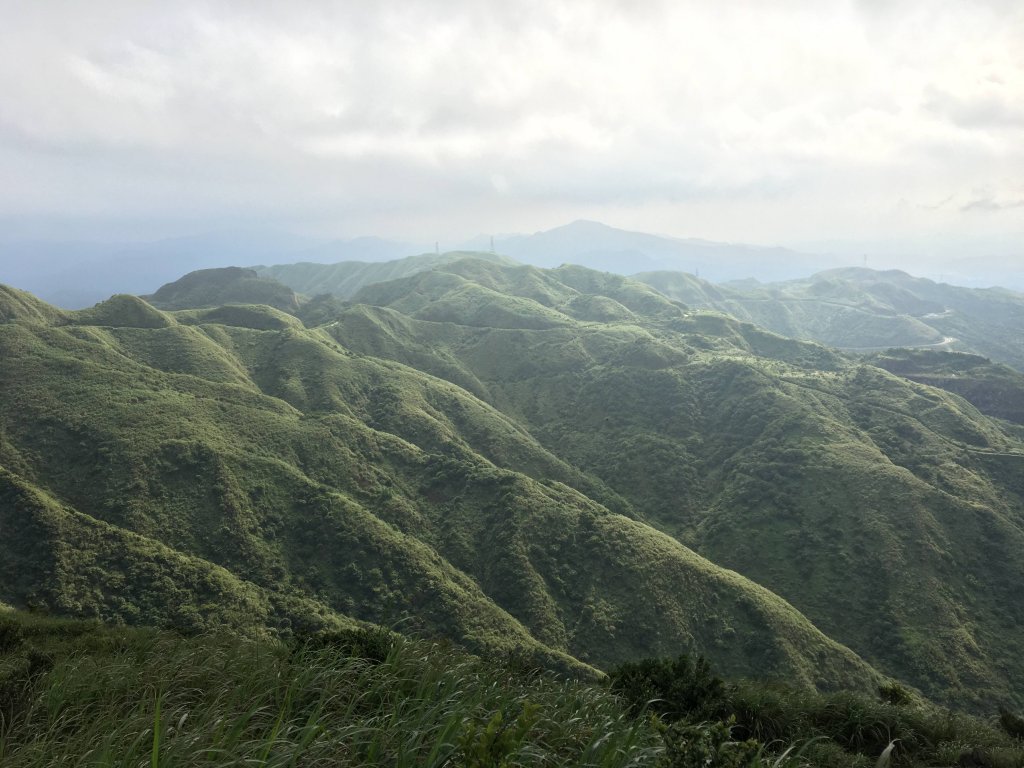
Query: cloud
[
  {"x": 683, "y": 117},
  {"x": 986, "y": 110},
  {"x": 987, "y": 204}
]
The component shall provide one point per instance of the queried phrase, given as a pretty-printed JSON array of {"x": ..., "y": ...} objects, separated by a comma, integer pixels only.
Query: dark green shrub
[
  {"x": 861, "y": 725},
  {"x": 494, "y": 744},
  {"x": 372, "y": 644},
  {"x": 673, "y": 688},
  {"x": 12, "y": 636},
  {"x": 768, "y": 713},
  {"x": 706, "y": 744},
  {"x": 1011, "y": 723},
  {"x": 892, "y": 692}
]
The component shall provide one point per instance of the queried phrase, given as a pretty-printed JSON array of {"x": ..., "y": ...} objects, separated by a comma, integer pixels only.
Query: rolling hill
[
  {"x": 867, "y": 310},
  {"x": 229, "y": 466},
  {"x": 827, "y": 480},
  {"x": 560, "y": 460},
  {"x": 344, "y": 279}
]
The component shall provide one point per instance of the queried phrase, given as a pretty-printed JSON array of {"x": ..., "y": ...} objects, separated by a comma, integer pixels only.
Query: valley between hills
[{"x": 563, "y": 466}]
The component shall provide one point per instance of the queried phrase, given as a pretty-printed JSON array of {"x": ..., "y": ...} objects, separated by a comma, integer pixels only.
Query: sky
[{"x": 860, "y": 124}]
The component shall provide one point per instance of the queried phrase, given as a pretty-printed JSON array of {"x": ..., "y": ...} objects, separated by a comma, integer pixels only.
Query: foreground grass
[
  {"x": 86, "y": 696},
  {"x": 77, "y": 693}
]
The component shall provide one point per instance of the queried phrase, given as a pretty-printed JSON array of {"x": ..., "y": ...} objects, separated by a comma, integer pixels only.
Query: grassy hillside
[
  {"x": 994, "y": 389},
  {"x": 864, "y": 309},
  {"x": 76, "y": 693},
  {"x": 887, "y": 511},
  {"x": 561, "y": 460},
  {"x": 229, "y": 466},
  {"x": 230, "y": 285}
]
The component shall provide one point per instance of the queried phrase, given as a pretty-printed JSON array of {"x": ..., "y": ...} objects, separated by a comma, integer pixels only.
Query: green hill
[
  {"x": 120, "y": 311},
  {"x": 887, "y": 511},
  {"x": 994, "y": 389},
  {"x": 867, "y": 310},
  {"x": 19, "y": 305},
  {"x": 345, "y": 279},
  {"x": 563, "y": 461},
  {"x": 198, "y": 473},
  {"x": 229, "y": 285}
]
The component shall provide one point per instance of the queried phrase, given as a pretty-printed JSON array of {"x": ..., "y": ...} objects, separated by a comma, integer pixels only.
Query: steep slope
[
  {"x": 887, "y": 511},
  {"x": 863, "y": 309},
  {"x": 994, "y": 389},
  {"x": 277, "y": 467},
  {"x": 57, "y": 558},
  {"x": 19, "y": 305}
]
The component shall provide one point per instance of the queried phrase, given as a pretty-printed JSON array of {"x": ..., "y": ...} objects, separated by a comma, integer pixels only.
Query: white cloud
[{"x": 742, "y": 120}]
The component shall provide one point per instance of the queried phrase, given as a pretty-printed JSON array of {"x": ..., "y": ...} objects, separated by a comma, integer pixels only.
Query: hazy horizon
[
  {"x": 853, "y": 127},
  {"x": 897, "y": 126}
]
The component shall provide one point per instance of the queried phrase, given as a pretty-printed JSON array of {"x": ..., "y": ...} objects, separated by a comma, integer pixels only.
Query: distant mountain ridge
[
  {"x": 75, "y": 275},
  {"x": 344, "y": 279},
  {"x": 862, "y": 309},
  {"x": 599, "y": 246}
]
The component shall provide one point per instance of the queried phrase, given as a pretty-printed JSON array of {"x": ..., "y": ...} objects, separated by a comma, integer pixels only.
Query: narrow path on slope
[{"x": 947, "y": 341}]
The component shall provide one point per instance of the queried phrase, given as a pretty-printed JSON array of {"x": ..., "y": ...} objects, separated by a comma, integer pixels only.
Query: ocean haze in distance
[{"x": 846, "y": 129}]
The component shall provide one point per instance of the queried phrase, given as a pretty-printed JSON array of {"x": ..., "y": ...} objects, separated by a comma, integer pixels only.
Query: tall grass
[
  {"x": 79, "y": 694},
  {"x": 160, "y": 700}
]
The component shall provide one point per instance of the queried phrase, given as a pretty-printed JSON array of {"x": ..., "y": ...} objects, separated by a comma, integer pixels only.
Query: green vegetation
[
  {"x": 73, "y": 693},
  {"x": 346, "y": 278},
  {"x": 80, "y": 694},
  {"x": 202, "y": 474},
  {"x": 561, "y": 463},
  {"x": 820, "y": 478},
  {"x": 994, "y": 389},
  {"x": 230, "y": 285},
  {"x": 712, "y": 722},
  {"x": 861, "y": 309}
]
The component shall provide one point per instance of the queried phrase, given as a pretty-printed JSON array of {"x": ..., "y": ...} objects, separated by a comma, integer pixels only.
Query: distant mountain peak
[{"x": 224, "y": 285}]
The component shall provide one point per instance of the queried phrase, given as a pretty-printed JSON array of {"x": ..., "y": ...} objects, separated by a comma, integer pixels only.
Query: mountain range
[
  {"x": 561, "y": 461},
  {"x": 854, "y": 309},
  {"x": 867, "y": 310}
]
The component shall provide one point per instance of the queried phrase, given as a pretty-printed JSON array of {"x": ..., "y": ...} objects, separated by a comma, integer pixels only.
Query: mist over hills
[
  {"x": 598, "y": 246},
  {"x": 75, "y": 275},
  {"x": 511, "y": 456}
]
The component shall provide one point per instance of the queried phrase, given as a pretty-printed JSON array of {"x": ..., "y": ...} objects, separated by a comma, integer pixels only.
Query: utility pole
[
  {"x": 437, "y": 249},
  {"x": 492, "y": 243}
]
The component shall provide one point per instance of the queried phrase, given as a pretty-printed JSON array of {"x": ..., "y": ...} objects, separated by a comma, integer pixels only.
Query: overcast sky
[{"x": 786, "y": 122}]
